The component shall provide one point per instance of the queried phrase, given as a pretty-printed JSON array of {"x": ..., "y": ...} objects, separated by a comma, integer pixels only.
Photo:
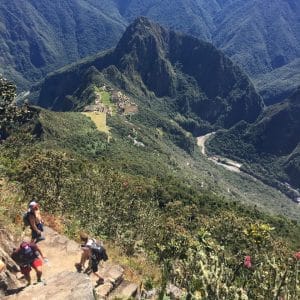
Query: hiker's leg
[
  {"x": 37, "y": 265},
  {"x": 94, "y": 266},
  {"x": 28, "y": 278},
  {"x": 85, "y": 255},
  {"x": 34, "y": 235},
  {"x": 26, "y": 272},
  {"x": 39, "y": 273}
]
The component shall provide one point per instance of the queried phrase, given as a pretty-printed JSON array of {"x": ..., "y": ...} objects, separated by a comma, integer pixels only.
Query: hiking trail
[{"x": 62, "y": 281}]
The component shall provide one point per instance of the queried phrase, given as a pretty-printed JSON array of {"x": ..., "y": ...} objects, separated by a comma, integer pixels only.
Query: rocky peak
[{"x": 198, "y": 79}]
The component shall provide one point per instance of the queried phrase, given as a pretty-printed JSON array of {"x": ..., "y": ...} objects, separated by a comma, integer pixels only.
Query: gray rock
[
  {"x": 8, "y": 279},
  {"x": 63, "y": 286},
  {"x": 125, "y": 290},
  {"x": 114, "y": 273},
  {"x": 102, "y": 291}
]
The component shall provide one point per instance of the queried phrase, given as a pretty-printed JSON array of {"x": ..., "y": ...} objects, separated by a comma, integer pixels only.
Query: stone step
[
  {"x": 101, "y": 292},
  {"x": 112, "y": 273},
  {"x": 113, "y": 277},
  {"x": 126, "y": 290}
]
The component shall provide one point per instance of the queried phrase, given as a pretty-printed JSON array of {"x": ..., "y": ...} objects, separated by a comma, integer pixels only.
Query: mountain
[
  {"x": 260, "y": 36},
  {"x": 165, "y": 214},
  {"x": 155, "y": 65},
  {"x": 280, "y": 83},
  {"x": 271, "y": 145},
  {"x": 39, "y": 36}
]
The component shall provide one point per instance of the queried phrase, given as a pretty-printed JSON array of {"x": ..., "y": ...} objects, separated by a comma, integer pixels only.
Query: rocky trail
[{"x": 61, "y": 281}]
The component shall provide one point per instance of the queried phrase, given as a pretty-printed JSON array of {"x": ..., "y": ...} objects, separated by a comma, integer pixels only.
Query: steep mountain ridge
[
  {"x": 270, "y": 145},
  {"x": 40, "y": 36},
  {"x": 192, "y": 76}
]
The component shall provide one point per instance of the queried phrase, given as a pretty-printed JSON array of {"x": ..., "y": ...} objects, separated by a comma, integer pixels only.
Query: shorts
[
  {"x": 34, "y": 234},
  {"x": 94, "y": 264},
  {"x": 27, "y": 268}
]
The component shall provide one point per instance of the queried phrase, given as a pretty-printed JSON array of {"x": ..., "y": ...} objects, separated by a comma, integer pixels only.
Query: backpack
[
  {"x": 99, "y": 252},
  {"x": 26, "y": 254},
  {"x": 26, "y": 219}
]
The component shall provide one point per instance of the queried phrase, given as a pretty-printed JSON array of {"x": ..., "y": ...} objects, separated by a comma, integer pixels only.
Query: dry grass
[
  {"x": 10, "y": 207},
  {"x": 99, "y": 119},
  {"x": 137, "y": 268}
]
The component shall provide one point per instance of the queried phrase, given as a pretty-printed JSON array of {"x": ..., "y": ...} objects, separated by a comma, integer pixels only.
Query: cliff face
[
  {"x": 9, "y": 282},
  {"x": 271, "y": 144},
  {"x": 278, "y": 130}
]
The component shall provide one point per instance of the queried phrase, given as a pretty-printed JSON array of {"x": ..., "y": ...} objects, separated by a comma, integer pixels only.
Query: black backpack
[
  {"x": 26, "y": 254},
  {"x": 99, "y": 252},
  {"x": 26, "y": 218}
]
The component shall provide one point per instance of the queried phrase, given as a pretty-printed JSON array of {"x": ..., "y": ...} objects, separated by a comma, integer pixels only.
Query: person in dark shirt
[
  {"x": 90, "y": 253},
  {"x": 27, "y": 256}
]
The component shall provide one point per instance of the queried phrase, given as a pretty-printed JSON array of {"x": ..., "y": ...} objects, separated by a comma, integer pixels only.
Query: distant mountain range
[
  {"x": 175, "y": 74},
  {"x": 37, "y": 37},
  {"x": 261, "y": 36}
]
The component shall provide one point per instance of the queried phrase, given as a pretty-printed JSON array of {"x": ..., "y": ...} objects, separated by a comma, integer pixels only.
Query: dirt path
[
  {"x": 61, "y": 253},
  {"x": 61, "y": 280}
]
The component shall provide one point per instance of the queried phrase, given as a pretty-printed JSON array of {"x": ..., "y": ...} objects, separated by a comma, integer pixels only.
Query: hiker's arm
[
  {"x": 38, "y": 249},
  {"x": 32, "y": 223}
]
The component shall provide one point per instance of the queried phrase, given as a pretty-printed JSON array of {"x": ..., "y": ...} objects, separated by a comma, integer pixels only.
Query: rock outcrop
[{"x": 62, "y": 286}]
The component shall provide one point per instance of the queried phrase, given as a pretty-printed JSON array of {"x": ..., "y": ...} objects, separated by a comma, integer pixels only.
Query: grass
[
  {"x": 99, "y": 119},
  {"x": 137, "y": 267},
  {"x": 105, "y": 98},
  {"x": 11, "y": 207}
]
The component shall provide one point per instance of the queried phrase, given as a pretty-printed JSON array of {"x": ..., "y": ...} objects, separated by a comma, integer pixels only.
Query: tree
[{"x": 11, "y": 115}]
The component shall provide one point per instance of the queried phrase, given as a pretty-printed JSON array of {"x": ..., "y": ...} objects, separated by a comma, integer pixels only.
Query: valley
[
  {"x": 226, "y": 163},
  {"x": 180, "y": 154}
]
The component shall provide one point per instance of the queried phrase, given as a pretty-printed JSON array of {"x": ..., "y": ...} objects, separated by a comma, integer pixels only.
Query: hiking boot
[
  {"x": 41, "y": 281},
  {"x": 88, "y": 271},
  {"x": 78, "y": 267},
  {"x": 100, "y": 281},
  {"x": 39, "y": 239}
]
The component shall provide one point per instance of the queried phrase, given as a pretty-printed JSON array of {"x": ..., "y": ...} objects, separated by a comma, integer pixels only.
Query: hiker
[
  {"x": 27, "y": 256},
  {"x": 36, "y": 223},
  {"x": 94, "y": 253}
]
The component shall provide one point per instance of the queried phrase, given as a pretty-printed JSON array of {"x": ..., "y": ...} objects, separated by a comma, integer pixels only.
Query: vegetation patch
[{"x": 99, "y": 119}]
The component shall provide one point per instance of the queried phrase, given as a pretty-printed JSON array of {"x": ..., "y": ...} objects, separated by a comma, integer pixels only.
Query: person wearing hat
[{"x": 36, "y": 222}]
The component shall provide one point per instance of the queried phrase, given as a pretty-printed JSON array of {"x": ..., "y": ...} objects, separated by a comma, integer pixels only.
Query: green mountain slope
[
  {"x": 156, "y": 202},
  {"x": 161, "y": 68},
  {"x": 280, "y": 83},
  {"x": 40, "y": 36},
  {"x": 270, "y": 146},
  {"x": 163, "y": 116}
]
